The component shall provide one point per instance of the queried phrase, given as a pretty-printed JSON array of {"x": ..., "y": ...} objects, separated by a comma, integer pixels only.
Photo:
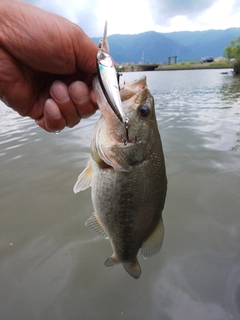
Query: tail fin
[{"x": 133, "y": 268}]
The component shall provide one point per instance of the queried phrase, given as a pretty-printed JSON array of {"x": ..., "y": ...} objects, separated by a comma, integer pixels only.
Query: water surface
[{"x": 51, "y": 265}]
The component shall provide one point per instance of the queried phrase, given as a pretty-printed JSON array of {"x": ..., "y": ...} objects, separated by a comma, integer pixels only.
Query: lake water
[{"x": 51, "y": 265}]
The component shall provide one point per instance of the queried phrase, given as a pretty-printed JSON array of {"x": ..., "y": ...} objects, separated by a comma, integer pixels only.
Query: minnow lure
[{"x": 108, "y": 78}]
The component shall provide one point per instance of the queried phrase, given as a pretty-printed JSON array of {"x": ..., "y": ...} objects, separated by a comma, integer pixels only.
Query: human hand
[{"x": 46, "y": 64}]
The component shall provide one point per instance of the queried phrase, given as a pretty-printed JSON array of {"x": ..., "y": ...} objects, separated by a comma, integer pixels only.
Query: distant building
[{"x": 207, "y": 59}]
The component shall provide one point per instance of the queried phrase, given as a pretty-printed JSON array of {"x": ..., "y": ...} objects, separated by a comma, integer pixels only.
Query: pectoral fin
[
  {"x": 153, "y": 244},
  {"x": 84, "y": 179},
  {"x": 94, "y": 224}
]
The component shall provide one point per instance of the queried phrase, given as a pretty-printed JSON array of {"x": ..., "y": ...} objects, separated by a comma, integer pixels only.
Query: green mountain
[
  {"x": 206, "y": 43},
  {"x": 154, "y": 47}
]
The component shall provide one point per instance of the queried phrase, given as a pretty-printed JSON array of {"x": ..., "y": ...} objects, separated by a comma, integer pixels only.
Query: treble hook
[
  {"x": 125, "y": 141},
  {"x": 118, "y": 77}
]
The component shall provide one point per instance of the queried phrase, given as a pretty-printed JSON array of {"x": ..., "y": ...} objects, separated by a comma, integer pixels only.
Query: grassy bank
[{"x": 191, "y": 65}]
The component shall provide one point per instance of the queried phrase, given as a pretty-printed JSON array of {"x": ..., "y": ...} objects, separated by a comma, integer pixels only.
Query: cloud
[
  {"x": 236, "y": 6},
  {"x": 83, "y": 13},
  {"x": 136, "y": 16},
  {"x": 167, "y": 9},
  {"x": 128, "y": 17}
]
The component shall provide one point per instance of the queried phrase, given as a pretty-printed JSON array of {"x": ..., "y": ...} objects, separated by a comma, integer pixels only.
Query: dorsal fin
[{"x": 153, "y": 243}]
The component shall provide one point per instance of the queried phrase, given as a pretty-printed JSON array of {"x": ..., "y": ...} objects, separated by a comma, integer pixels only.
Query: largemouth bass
[{"x": 128, "y": 177}]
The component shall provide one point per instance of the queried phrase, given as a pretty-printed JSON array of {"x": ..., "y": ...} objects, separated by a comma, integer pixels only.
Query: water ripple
[{"x": 47, "y": 252}]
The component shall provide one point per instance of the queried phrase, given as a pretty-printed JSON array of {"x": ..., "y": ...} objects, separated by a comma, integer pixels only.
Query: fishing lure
[{"x": 109, "y": 78}]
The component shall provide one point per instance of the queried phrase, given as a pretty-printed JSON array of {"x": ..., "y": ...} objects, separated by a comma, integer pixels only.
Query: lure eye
[
  {"x": 144, "y": 110},
  {"x": 101, "y": 55}
]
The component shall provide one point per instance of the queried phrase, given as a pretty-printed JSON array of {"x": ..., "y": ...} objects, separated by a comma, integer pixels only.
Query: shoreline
[
  {"x": 176, "y": 68},
  {"x": 192, "y": 68}
]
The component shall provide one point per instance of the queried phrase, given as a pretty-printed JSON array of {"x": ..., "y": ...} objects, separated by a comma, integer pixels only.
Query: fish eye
[{"x": 144, "y": 110}]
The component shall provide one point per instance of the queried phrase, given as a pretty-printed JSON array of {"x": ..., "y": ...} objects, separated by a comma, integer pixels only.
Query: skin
[{"x": 46, "y": 65}]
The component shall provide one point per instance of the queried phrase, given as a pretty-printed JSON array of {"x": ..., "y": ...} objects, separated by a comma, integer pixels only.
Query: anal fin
[
  {"x": 152, "y": 245},
  {"x": 94, "y": 224}
]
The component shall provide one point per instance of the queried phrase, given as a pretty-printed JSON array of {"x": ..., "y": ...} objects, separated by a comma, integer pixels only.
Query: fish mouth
[
  {"x": 129, "y": 142},
  {"x": 126, "y": 141}
]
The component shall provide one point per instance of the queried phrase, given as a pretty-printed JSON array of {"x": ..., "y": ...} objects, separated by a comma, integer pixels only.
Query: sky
[{"x": 137, "y": 16}]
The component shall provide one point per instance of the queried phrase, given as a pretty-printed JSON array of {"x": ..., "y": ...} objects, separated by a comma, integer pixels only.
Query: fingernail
[
  {"x": 79, "y": 92},
  {"x": 59, "y": 91},
  {"x": 52, "y": 109}
]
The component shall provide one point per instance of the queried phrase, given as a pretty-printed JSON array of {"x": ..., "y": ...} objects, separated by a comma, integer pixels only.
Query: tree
[{"x": 232, "y": 52}]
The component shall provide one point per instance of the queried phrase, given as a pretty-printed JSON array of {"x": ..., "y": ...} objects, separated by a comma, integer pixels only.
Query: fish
[{"x": 127, "y": 175}]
